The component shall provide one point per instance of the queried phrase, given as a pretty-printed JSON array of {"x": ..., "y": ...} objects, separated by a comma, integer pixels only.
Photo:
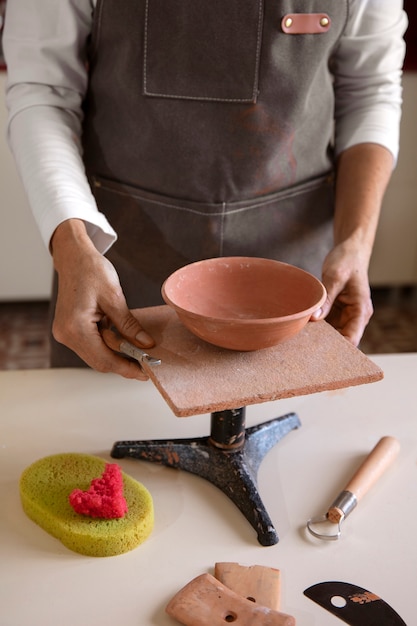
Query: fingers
[
  {"x": 112, "y": 340},
  {"x": 348, "y": 308},
  {"x": 86, "y": 341},
  {"x": 351, "y": 323},
  {"x": 129, "y": 327},
  {"x": 335, "y": 285},
  {"x": 78, "y": 313},
  {"x": 123, "y": 325},
  {"x": 89, "y": 291},
  {"x": 348, "y": 305}
]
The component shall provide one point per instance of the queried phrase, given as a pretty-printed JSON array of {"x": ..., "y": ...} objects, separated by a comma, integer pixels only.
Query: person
[{"x": 151, "y": 134}]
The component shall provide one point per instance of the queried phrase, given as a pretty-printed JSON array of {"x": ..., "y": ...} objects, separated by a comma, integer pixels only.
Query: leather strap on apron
[{"x": 208, "y": 130}]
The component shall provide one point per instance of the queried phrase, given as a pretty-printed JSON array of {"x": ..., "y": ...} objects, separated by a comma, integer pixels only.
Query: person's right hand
[{"x": 90, "y": 295}]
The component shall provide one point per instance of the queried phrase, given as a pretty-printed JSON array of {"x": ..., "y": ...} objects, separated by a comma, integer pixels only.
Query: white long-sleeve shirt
[{"x": 45, "y": 49}]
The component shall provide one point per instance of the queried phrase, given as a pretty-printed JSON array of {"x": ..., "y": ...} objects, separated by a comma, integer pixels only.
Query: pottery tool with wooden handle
[{"x": 379, "y": 459}]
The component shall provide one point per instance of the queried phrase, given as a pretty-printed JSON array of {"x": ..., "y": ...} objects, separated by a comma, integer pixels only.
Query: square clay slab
[{"x": 196, "y": 377}]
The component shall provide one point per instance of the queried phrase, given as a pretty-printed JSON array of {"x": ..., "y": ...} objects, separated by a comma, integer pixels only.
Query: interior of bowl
[{"x": 243, "y": 288}]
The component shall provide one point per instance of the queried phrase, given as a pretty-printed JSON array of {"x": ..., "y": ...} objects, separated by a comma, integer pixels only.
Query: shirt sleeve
[
  {"x": 367, "y": 70},
  {"x": 45, "y": 50}
]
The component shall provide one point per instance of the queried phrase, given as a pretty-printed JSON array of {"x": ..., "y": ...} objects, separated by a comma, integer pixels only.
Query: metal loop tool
[
  {"x": 329, "y": 525},
  {"x": 136, "y": 353}
]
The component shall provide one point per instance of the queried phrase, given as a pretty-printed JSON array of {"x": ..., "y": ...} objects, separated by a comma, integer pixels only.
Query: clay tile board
[{"x": 196, "y": 377}]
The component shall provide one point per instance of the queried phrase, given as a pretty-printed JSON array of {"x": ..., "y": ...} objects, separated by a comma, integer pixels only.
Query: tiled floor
[
  {"x": 23, "y": 335},
  {"x": 393, "y": 327},
  {"x": 24, "y": 329}
]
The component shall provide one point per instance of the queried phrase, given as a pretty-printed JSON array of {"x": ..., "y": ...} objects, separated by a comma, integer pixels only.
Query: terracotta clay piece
[
  {"x": 197, "y": 378},
  {"x": 205, "y": 601},
  {"x": 243, "y": 303},
  {"x": 257, "y": 583}
]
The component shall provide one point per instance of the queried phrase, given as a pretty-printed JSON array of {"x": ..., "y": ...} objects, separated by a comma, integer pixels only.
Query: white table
[{"x": 51, "y": 411}]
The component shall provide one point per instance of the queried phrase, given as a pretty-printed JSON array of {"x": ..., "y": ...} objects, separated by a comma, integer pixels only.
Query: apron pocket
[
  {"x": 203, "y": 49},
  {"x": 158, "y": 234},
  {"x": 294, "y": 225}
]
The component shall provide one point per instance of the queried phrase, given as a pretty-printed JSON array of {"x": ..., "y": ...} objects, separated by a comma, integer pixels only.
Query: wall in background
[
  {"x": 25, "y": 264},
  {"x": 394, "y": 260}
]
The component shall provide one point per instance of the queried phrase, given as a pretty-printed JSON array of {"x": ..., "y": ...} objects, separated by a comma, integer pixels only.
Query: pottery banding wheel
[{"x": 198, "y": 378}]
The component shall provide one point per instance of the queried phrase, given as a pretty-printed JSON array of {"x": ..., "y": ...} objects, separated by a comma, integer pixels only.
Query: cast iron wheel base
[{"x": 229, "y": 458}]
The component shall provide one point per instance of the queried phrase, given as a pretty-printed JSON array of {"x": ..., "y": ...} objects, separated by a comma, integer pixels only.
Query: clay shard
[
  {"x": 257, "y": 583},
  {"x": 205, "y": 601}
]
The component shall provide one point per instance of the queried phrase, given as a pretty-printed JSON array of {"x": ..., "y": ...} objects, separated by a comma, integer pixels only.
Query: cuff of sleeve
[
  {"x": 102, "y": 235},
  {"x": 98, "y": 228}
]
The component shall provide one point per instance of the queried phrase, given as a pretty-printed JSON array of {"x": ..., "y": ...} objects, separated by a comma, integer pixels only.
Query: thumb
[
  {"x": 324, "y": 310},
  {"x": 317, "y": 315},
  {"x": 130, "y": 328}
]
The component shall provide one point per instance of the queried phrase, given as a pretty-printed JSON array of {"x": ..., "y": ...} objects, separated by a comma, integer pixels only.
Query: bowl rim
[{"x": 245, "y": 321}]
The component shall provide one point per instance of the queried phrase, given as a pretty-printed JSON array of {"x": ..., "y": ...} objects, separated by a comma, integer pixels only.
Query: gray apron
[{"x": 208, "y": 131}]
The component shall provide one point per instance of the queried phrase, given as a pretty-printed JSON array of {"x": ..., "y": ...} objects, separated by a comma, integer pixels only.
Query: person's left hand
[{"x": 348, "y": 306}]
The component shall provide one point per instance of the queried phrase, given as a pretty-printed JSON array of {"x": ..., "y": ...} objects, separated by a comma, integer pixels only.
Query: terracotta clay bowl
[{"x": 243, "y": 303}]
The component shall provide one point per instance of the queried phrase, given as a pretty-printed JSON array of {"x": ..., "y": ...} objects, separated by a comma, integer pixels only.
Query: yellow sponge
[{"x": 44, "y": 490}]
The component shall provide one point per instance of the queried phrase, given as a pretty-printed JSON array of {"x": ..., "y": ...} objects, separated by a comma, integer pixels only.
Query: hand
[
  {"x": 363, "y": 172},
  {"x": 348, "y": 306},
  {"x": 90, "y": 296}
]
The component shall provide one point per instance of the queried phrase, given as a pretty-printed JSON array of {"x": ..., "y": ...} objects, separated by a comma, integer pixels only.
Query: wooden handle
[{"x": 375, "y": 464}]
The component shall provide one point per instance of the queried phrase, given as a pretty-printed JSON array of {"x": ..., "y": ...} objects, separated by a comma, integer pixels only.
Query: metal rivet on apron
[
  {"x": 288, "y": 22},
  {"x": 324, "y": 21}
]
